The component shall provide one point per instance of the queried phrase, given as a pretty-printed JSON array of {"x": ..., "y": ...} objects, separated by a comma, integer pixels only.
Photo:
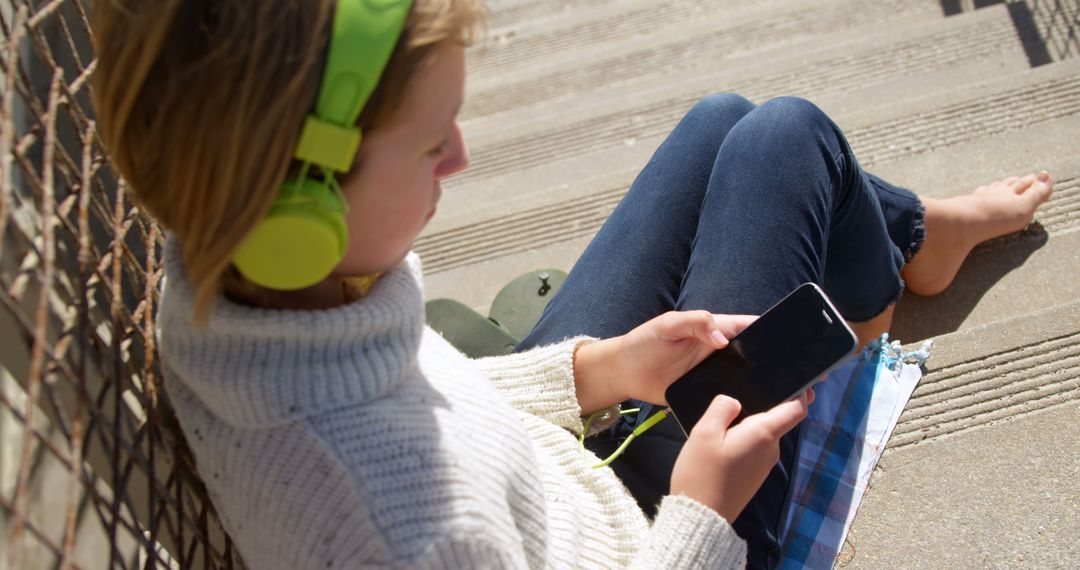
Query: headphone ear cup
[{"x": 300, "y": 241}]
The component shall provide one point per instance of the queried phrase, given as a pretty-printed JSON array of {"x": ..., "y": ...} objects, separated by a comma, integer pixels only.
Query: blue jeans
[{"x": 738, "y": 206}]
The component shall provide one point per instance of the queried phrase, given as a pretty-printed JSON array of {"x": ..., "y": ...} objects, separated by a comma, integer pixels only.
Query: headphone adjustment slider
[{"x": 327, "y": 144}]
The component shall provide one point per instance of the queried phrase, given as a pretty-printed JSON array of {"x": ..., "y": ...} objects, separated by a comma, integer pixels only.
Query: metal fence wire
[{"x": 93, "y": 470}]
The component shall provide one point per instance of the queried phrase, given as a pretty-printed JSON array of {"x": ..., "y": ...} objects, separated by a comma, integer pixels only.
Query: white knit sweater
[{"x": 357, "y": 437}]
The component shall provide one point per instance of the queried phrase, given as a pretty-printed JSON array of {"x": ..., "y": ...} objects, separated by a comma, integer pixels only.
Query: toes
[
  {"x": 1009, "y": 181},
  {"x": 1040, "y": 191},
  {"x": 1022, "y": 183}
]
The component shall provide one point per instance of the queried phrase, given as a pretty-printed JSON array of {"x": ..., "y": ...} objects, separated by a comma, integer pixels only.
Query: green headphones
[{"x": 304, "y": 236}]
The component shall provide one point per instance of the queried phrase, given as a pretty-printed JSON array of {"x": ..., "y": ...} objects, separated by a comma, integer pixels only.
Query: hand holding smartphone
[{"x": 782, "y": 353}]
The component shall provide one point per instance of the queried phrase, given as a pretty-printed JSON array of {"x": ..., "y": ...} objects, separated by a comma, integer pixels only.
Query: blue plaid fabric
[{"x": 841, "y": 440}]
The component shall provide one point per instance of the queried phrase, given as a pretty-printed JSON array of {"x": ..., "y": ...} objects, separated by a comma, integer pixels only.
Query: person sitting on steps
[{"x": 334, "y": 430}]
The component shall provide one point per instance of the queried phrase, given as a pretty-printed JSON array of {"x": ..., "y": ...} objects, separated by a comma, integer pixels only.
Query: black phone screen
[{"x": 772, "y": 360}]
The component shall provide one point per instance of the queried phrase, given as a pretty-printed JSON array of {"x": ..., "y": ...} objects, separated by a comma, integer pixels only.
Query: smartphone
[{"x": 796, "y": 342}]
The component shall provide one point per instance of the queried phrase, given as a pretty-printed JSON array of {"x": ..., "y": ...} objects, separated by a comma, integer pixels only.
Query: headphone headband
[
  {"x": 363, "y": 37},
  {"x": 304, "y": 236}
]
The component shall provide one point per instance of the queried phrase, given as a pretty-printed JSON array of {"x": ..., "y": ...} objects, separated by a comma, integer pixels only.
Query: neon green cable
[
  {"x": 588, "y": 424},
  {"x": 644, "y": 427},
  {"x": 617, "y": 453},
  {"x": 592, "y": 418},
  {"x": 653, "y": 420}
]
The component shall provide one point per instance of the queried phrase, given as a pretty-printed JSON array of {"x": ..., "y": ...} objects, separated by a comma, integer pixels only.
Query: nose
[{"x": 457, "y": 158}]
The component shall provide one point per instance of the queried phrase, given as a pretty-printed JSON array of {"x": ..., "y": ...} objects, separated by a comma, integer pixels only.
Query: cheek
[
  {"x": 389, "y": 213},
  {"x": 388, "y": 204}
]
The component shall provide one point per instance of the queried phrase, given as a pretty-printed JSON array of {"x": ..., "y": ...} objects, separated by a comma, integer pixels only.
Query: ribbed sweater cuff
[
  {"x": 687, "y": 534},
  {"x": 541, "y": 382}
]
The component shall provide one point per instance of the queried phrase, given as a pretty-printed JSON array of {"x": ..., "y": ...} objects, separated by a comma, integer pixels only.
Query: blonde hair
[{"x": 200, "y": 103}]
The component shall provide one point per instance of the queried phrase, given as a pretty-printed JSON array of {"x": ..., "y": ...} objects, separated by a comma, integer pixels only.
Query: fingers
[
  {"x": 718, "y": 417},
  {"x": 808, "y": 395},
  {"x": 722, "y": 328},
  {"x": 679, "y": 325},
  {"x": 734, "y": 324},
  {"x": 714, "y": 330},
  {"x": 782, "y": 418},
  {"x": 738, "y": 321}
]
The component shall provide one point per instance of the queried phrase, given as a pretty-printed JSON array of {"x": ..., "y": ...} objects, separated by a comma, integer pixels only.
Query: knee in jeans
[
  {"x": 795, "y": 116},
  {"x": 720, "y": 107}
]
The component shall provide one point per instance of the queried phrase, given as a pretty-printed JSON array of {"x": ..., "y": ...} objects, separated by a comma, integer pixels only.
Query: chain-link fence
[{"x": 93, "y": 472}]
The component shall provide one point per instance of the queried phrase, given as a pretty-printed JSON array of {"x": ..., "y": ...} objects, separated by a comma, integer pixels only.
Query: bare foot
[{"x": 954, "y": 226}]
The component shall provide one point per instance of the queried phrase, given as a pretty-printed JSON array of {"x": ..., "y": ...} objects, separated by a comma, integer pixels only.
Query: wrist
[
  {"x": 597, "y": 375},
  {"x": 615, "y": 376}
]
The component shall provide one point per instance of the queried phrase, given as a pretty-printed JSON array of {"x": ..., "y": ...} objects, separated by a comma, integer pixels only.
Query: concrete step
[
  {"x": 1041, "y": 96},
  {"x": 570, "y": 34},
  {"x": 693, "y": 43},
  {"x": 1034, "y": 365},
  {"x": 829, "y": 63},
  {"x": 508, "y": 16},
  {"x": 1004, "y": 497},
  {"x": 540, "y": 155},
  {"x": 982, "y": 468}
]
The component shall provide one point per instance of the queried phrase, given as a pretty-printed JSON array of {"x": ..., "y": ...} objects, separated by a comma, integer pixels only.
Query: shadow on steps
[{"x": 918, "y": 318}]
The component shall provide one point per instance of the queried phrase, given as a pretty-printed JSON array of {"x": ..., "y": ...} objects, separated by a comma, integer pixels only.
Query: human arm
[
  {"x": 579, "y": 376},
  {"x": 541, "y": 382},
  {"x": 721, "y": 466},
  {"x": 641, "y": 364}
]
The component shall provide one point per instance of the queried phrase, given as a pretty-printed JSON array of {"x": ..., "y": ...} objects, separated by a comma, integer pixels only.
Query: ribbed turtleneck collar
[{"x": 260, "y": 367}]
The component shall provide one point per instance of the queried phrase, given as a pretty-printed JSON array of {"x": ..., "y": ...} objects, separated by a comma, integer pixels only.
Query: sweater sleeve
[
  {"x": 687, "y": 534},
  {"x": 540, "y": 382}
]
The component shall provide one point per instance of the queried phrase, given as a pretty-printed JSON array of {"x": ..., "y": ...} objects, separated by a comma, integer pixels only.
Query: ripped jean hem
[
  {"x": 918, "y": 237},
  {"x": 918, "y": 234}
]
